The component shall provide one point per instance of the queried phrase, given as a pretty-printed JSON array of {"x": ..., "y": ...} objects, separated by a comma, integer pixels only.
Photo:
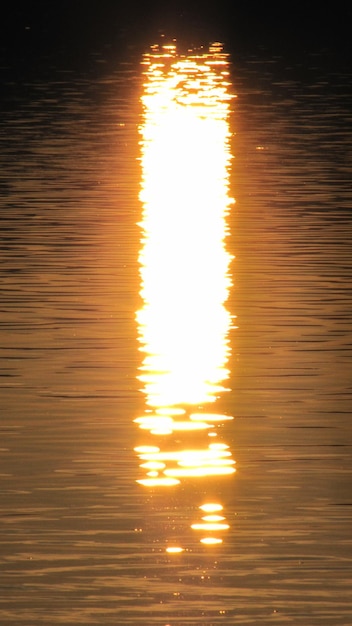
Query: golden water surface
[{"x": 126, "y": 392}]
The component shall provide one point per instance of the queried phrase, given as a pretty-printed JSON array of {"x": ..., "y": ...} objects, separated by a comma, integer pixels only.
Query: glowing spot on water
[
  {"x": 174, "y": 550},
  {"x": 211, "y": 507},
  {"x": 170, "y": 411},
  {"x": 153, "y": 465},
  {"x": 158, "y": 482},
  {"x": 147, "y": 449},
  {"x": 218, "y": 446}
]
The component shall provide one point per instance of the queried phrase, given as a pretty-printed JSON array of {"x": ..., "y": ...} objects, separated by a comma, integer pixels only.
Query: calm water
[{"x": 82, "y": 542}]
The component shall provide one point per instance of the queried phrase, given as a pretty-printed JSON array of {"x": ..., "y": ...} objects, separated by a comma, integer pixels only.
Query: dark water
[{"x": 81, "y": 541}]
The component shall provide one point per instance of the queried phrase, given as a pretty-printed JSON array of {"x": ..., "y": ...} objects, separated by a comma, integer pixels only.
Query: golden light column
[{"x": 184, "y": 324}]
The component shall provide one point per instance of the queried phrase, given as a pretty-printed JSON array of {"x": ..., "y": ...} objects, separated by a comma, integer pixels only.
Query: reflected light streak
[
  {"x": 211, "y": 540},
  {"x": 183, "y": 324},
  {"x": 211, "y": 507},
  {"x": 158, "y": 482},
  {"x": 174, "y": 550},
  {"x": 212, "y": 523},
  {"x": 175, "y": 464},
  {"x": 184, "y": 265}
]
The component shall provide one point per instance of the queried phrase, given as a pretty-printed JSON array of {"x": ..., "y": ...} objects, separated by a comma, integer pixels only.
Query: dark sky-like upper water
[{"x": 74, "y": 26}]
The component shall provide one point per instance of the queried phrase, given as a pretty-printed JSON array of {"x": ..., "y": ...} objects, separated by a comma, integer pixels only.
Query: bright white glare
[
  {"x": 158, "y": 482},
  {"x": 183, "y": 323},
  {"x": 211, "y": 507},
  {"x": 211, "y": 540},
  {"x": 174, "y": 550},
  {"x": 184, "y": 265},
  {"x": 213, "y": 518}
]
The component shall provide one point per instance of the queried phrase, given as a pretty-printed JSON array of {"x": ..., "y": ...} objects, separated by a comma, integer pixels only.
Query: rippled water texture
[{"x": 82, "y": 541}]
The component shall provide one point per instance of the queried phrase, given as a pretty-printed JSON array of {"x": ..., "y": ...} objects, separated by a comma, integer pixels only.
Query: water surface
[{"x": 82, "y": 541}]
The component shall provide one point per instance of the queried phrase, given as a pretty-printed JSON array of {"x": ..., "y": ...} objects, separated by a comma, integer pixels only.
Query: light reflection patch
[
  {"x": 184, "y": 323},
  {"x": 211, "y": 507},
  {"x": 174, "y": 550}
]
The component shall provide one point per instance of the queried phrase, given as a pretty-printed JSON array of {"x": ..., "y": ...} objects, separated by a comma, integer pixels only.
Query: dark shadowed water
[{"x": 81, "y": 541}]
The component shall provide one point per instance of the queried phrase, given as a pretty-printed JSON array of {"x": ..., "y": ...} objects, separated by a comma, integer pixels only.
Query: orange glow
[
  {"x": 183, "y": 323},
  {"x": 210, "y": 526},
  {"x": 213, "y": 518},
  {"x": 211, "y": 470},
  {"x": 158, "y": 482},
  {"x": 146, "y": 449},
  {"x": 211, "y": 507},
  {"x": 153, "y": 465},
  {"x": 211, "y": 540},
  {"x": 210, "y": 417},
  {"x": 174, "y": 550},
  {"x": 211, "y": 522}
]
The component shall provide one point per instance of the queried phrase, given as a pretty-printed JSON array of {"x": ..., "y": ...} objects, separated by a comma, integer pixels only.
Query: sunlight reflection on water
[
  {"x": 81, "y": 541},
  {"x": 184, "y": 324}
]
